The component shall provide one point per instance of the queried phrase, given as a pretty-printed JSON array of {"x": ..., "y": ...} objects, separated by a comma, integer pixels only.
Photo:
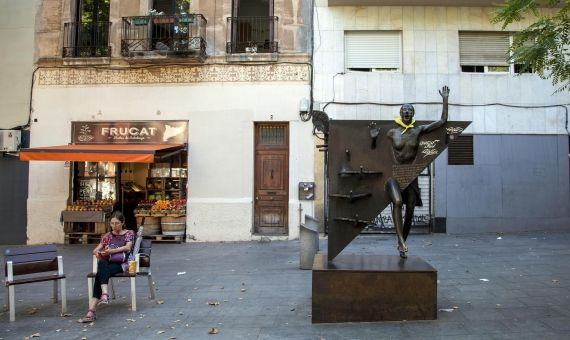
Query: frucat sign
[{"x": 130, "y": 132}]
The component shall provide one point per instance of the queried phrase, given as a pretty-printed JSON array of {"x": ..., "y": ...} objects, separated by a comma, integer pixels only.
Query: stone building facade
[{"x": 226, "y": 69}]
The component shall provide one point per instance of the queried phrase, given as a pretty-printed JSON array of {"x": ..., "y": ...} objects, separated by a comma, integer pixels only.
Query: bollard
[{"x": 309, "y": 242}]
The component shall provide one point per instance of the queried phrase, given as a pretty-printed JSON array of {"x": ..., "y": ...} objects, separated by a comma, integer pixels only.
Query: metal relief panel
[{"x": 359, "y": 168}]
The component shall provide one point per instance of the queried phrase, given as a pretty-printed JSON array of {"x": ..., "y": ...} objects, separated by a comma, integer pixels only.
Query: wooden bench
[
  {"x": 31, "y": 263},
  {"x": 142, "y": 269}
]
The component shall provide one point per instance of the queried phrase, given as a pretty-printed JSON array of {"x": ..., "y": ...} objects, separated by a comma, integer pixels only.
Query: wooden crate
[
  {"x": 82, "y": 238},
  {"x": 165, "y": 238}
]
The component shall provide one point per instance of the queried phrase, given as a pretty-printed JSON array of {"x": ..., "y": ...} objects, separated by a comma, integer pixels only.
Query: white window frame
[
  {"x": 511, "y": 66},
  {"x": 399, "y": 49}
]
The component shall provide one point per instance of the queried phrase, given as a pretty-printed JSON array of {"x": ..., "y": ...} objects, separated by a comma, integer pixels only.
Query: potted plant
[
  {"x": 140, "y": 21},
  {"x": 186, "y": 18},
  {"x": 160, "y": 18}
]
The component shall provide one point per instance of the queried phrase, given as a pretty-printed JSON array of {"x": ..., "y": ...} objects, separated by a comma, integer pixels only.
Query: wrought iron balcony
[
  {"x": 86, "y": 39},
  {"x": 252, "y": 35},
  {"x": 181, "y": 35}
]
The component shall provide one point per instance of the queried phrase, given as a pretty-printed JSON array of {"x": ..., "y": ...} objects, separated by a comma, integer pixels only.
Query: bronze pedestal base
[{"x": 358, "y": 288}]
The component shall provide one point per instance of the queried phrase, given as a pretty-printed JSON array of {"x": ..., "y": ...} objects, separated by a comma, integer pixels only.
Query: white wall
[
  {"x": 220, "y": 159},
  {"x": 17, "y": 28},
  {"x": 430, "y": 60}
]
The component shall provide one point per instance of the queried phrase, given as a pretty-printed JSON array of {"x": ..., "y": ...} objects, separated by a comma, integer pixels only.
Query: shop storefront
[{"x": 137, "y": 167}]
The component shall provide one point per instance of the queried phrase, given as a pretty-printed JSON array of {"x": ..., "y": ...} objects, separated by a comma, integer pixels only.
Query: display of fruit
[
  {"x": 90, "y": 205},
  {"x": 160, "y": 205}
]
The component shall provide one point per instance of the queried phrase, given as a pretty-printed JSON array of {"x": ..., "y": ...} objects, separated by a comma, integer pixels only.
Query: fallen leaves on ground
[
  {"x": 213, "y": 331},
  {"x": 65, "y": 315},
  {"x": 132, "y": 320},
  {"x": 555, "y": 281},
  {"x": 484, "y": 280},
  {"x": 159, "y": 302},
  {"x": 243, "y": 290},
  {"x": 160, "y": 332},
  {"x": 32, "y": 311},
  {"x": 213, "y": 303},
  {"x": 181, "y": 273}
]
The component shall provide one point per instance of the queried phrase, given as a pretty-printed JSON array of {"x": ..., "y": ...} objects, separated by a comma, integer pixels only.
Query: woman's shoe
[
  {"x": 104, "y": 300},
  {"x": 89, "y": 317},
  {"x": 403, "y": 250}
]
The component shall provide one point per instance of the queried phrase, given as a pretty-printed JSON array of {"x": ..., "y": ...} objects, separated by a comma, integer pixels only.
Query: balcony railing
[
  {"x": 86, "y": 39},
  {"x": 183, "y": 35},
  {"x": 252, "y": 34}
]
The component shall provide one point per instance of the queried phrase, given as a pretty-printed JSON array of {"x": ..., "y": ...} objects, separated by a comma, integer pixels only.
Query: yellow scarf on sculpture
[{"x": 399, "y": 121}]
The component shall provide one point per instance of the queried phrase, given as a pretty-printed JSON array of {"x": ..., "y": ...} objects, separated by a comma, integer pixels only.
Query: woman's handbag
[{"x": 119, "y": 257}]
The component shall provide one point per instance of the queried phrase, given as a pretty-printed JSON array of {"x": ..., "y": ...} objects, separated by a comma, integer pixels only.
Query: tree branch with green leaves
[{"x": 544, "y": 46}]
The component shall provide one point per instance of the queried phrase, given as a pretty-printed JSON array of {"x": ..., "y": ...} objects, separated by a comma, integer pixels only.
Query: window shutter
[
  {"x": 484, "y": 48},
  {"x": 372, "y": 49},
  {"x": 460, "y": 151}
]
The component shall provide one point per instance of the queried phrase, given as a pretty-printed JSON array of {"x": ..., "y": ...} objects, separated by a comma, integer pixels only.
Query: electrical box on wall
[
  {"x": 10, "y": 140},
  {"x": 306, "y": 190}
]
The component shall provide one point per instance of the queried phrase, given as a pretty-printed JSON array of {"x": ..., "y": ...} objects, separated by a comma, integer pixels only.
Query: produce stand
[{"x": 85, "y": 221}]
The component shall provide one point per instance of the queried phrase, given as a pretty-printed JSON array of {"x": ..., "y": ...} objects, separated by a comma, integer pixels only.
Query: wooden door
[{"x": 271, "y": 178}]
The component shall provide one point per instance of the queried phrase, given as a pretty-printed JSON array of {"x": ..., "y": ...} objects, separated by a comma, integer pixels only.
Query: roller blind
[
  {"x": 483, "y": 48},
  {"x": 372, "y": 49}
]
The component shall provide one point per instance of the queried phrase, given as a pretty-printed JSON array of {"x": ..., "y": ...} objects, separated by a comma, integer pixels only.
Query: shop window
[
  {"x": 373, "y": 51},
  {"x": 95, "y": 181},
  {"x": 460, "y": 151}
]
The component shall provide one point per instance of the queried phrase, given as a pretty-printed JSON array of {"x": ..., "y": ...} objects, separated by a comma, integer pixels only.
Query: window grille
[{"x": 460, "y": 151}]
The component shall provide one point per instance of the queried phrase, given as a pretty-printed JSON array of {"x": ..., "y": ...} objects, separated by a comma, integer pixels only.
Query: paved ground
[{"x": 515, "y": 287}]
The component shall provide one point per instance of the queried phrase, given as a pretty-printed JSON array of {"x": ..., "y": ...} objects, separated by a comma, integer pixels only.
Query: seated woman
[{"x": 112, "y": 254}]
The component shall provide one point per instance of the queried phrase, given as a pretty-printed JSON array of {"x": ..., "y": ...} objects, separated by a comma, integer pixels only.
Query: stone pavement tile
[
  {"x": 288, "y": 332},
  {"x": 483, "y": 314},
  {"x": 433, "y": 328},
  {"x": 550, "y": 335},
  {"x": 558, "y": 323},
  {"x": 521, "y": 325},
  {"x": 486, "y": 326},
  {"x": 377, "y": 330},
  {"x": 509, "y": 293},
  {"x": 534, "y": 313},
  {"x": 538, "y": 301}
]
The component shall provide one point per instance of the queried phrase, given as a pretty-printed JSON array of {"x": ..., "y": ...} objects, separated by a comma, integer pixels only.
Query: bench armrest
[
  {"x": 94, "y": 265},
  {"x": 60, "y": 265},
  {"x": 10, "y": 269}
]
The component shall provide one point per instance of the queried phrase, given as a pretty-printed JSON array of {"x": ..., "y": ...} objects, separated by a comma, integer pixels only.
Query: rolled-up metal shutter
[
  {"x": 373, "y": 49},
  {"x": 484, "y": 48}
]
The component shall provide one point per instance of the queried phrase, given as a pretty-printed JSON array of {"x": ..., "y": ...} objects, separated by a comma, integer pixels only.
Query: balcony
[
  {"x": 252, "y": 35},
  {"x": 164, "y": 35},
  {"x": 86, "y": 39}
]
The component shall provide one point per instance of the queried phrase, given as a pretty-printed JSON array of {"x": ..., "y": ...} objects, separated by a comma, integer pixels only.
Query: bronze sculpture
[
  {"x": 373, "y": 164},
  {"x": 405, "y": 140}
]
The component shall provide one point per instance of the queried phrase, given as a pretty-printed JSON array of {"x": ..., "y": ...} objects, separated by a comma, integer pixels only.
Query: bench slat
[
  {"x": 35, "y": 279},
  {"x": 30, "y": 249},
  {"x": 23, "y": 258},
  {"x": 35, "y": 267}
]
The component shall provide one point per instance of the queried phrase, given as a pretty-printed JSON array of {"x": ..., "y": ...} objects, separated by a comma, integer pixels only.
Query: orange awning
[{"x": 123, "y": 153}]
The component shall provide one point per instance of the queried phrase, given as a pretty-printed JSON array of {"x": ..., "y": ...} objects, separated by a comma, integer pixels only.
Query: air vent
[{"x": 460, "y": 151}]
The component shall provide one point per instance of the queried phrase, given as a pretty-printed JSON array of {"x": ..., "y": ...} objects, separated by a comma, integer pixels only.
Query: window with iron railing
[
  {"x": 167, "y": 34},
  {"x": 86, "y": 39},
  {"x": 252, "y": 34}
]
